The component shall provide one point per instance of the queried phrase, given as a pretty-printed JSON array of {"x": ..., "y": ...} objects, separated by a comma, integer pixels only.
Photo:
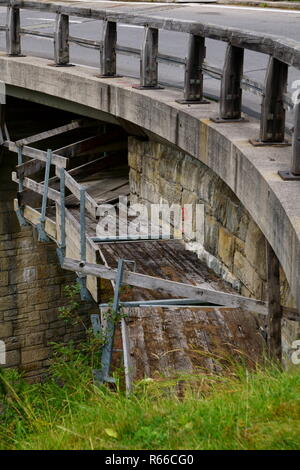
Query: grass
[{"x": 242, "y": 410}]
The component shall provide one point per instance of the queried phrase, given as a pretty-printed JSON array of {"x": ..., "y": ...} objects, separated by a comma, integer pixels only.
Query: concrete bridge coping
[{"x": 250, "y": 172}]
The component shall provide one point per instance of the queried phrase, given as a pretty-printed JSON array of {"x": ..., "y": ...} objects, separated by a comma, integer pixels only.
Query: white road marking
[
  {"x": 53, "y": 19},
  {"x": 232, "y": 7},
  {"x": 122, "y": 25}
]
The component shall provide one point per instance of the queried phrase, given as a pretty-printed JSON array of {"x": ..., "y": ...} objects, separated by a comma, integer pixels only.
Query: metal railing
[{"x": 275, "y": 99}]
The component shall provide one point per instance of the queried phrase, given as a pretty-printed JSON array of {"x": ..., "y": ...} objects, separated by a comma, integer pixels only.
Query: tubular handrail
[{"x": 282, "y": 53}]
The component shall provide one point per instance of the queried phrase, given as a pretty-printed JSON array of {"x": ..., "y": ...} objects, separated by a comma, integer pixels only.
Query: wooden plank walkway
[{"x": 158, "y": 339}]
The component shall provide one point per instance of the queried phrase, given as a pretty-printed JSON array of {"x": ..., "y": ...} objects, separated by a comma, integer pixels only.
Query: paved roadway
[{"x": 273, "y": 21}]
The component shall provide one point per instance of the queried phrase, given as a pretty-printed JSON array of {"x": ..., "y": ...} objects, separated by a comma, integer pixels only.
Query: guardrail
[{"x": 282, "y": 54}]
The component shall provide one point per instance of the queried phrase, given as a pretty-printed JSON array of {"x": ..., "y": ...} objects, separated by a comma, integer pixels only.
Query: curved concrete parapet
[{"x": 250, "y": 172}]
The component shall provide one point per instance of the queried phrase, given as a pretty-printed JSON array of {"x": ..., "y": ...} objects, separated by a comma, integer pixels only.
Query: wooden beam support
[
  {"x": 175, "y": 288},
  {"x": 272, "y": 120},
  {"x": 75, "y": 188},
  {"x": 97, "y": 143},
  {"x": 61, "y": 40},
  {"x": 13, "y": 37},
  {"x": 31, "y": 152},
  {"x": 33, "y": 216},
  {"x": 231, "y": 90},
  {"x": 108, "y": 63},
  {"x": 51, "y": 133},
  {"x": 37, "y": 187},
  {"x": 274, "y": 308},
  {"x": 29, "y": 168}
]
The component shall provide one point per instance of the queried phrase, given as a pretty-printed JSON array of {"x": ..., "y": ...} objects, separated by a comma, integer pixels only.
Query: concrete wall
[
  {"x": 31, "y": 289},
  {"x": 234, "y": 246}
]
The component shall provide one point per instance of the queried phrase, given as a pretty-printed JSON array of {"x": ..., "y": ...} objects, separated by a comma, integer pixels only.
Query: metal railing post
[
  {"x": 108, "y": 63},
  {"x": 62, "y": 211},
  {"x": 13, "y": 36},
  {"x": 61, "y": 250},
  {"x": 110, "y": 329},
  {"x": 193, "y": 80},
  {"x": 148, "y": 63},
  {"x": 294, "y": 172},
  {"x": 41, "y": 226},
  {"x": 274, "y": 308},
  {"x": 18, "y": 210},
  {"x": 82, "y": 226},
  {"x": 272, "y": 118},
  {"x": 61, "y": 40},
  {"x": 231, "y": 90},
  {"x": 82, "y": 279},
  {"x": 20, "y": 162}
]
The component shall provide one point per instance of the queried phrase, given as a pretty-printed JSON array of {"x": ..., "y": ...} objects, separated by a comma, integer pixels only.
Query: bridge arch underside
[
  {"x": 250, "y": 172},
  {"x": 182, "y": 135}
]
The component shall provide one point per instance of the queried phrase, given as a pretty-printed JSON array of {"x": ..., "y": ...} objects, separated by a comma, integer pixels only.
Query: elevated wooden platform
[{"x": 64, "y": 207}]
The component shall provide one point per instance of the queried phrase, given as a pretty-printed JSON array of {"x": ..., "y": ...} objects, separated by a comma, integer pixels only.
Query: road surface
[{"x": 273, "y": 21}]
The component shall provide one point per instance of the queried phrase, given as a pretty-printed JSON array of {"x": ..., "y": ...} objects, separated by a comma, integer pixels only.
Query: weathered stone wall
[
  {"x": 233, "y": 246},
  {"x": 31, "y": 290}
]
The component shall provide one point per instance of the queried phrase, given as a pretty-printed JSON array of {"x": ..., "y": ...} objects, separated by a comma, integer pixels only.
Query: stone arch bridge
[{"x": 113, "y": 135}]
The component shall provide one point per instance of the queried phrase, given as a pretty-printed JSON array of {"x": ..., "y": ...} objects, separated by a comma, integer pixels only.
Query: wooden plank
[
  {"x": 126, "y": 356},
  {"x": 73, "y": 248},
  {"x": 274, "y": 308},
  {"x": 90, "y": 205},
  {"x": 107, "y": 161},
  {"x": 103, "y": 142},
  {"x": 176, "y": 288},
  {"x": 29, "y": 168},
  {"x": 31, "y": 152},
  {"x": 33, "y": 216},
  {"x": 37, "y": 187},
  {"x": 50, "y": 133}
]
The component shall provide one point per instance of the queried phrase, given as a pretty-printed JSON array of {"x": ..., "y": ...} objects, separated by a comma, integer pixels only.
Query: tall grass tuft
[{"x": 243, "y": 409}]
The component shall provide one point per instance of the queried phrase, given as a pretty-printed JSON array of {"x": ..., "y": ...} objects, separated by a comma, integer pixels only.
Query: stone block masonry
[
  {"x": 234, "y": 246},
  {"x": 31, "y": 291}
]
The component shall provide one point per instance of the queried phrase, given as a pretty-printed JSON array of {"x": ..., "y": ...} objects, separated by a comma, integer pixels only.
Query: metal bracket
[
  {"x": 42, "y": 236},
  {"x": 84, "y": 293},
  {"x": 259, "y": 143},
  {"x": 108, "y": 76},
  {"x": 103, "y": 375},
  {"x": 140, "y": 87},
  {"x": 61, "y": 65},
  {"x": 60, "y": 254},
  {"x": 20, "y": 217},
  {"x": 96, "y": 324},
  {"x": 287, "y": 175},
  {"x": 192, "y": 101},
  {"x": 219, "y": 120}
]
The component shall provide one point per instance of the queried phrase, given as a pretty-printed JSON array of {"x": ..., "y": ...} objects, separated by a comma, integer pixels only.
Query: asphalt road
[{"x": 273, "y": 21}]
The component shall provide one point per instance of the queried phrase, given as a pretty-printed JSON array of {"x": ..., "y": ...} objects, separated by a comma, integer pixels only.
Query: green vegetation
[{"x": 240, "y": 410}]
